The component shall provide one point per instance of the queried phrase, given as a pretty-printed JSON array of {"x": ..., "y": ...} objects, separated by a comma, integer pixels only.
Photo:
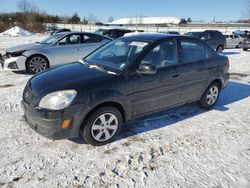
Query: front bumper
[
  {"x": 48, "y": 123},
  {"x": 13, "y": 63}
]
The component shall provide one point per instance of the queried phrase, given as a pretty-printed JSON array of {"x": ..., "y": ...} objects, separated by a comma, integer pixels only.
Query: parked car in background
[
  {"x": 171, "y": 32},
  {"x": 127, "y": 78},
  {"x": 113, "y": 33},
  {"x": 57, "y": 49},
  {"x": 213, "y": 37},
  {"x": 233, "y": 41},
  {"x": 246, "y": 43},
  {"x": 60, "y": 31}
]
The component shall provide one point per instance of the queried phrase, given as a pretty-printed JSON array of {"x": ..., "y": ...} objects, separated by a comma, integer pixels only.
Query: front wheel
[
  {"x": 245, "y": 49},
  {"x": 36, "y": 64},
  {"x": 102, "y": 126},
  {"x": 211, "y": 95}
]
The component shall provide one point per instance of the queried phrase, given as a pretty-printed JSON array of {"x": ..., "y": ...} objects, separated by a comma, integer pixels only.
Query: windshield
[
  {"x": 117, "y": 54},
  {"x": 52, "y": 39}
]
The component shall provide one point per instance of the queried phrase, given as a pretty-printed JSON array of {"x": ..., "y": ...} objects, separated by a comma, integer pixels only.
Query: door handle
[{"x": 175, "y": 75}]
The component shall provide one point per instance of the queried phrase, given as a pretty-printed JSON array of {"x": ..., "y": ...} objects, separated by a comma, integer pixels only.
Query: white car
[
  {"x": 234, "y": 41},
  {"x": 57, "y": 49}
]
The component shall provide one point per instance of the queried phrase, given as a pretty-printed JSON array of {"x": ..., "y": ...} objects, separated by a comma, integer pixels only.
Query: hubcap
[
  {"x": 104, "y": 127},
  {"x": 37, "y": 64},
  {"x": 212, "y": 95}
]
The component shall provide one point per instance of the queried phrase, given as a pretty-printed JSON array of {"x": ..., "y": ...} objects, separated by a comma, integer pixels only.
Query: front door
[
  {"x": 160, "y": 90},
  {"x": 66, "y": 50}
]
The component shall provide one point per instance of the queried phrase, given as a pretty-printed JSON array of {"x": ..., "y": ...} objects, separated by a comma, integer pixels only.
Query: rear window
[{"x": 192, "y": 51}]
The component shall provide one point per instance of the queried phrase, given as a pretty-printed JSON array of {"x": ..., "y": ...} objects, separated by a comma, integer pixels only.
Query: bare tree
[
  {"x": 140, "y": 20},
  {"x": 110, "y": 19},
  {"x": 92, "y": 19},
  {"x": 26, "y": 6},
  {"x": 130, "y": 21},
  {"x": 248, "y": 11}
]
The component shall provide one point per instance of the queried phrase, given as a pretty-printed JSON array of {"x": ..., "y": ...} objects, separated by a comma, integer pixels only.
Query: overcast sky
[{"x": 221, "y": 10}]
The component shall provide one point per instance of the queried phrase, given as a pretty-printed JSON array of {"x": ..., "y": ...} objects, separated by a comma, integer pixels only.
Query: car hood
[
  {"x": 22, "y": 47},
  {"x": 70, "y": 76}
]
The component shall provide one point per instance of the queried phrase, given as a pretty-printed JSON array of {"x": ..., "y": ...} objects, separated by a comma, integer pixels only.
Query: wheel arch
[
  {"x": 37, "y": 54},
  {"x": 113, "y": 104},
  {"x": 218, "y": 81},
  {"x": 220, "y": 45}
]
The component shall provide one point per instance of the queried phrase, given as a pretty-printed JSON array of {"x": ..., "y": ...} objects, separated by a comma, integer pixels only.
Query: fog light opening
[{"x": 65, "y": 124}]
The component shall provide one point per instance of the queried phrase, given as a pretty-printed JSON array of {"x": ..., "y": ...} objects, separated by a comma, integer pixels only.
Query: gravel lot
[{"x": 182, "y": 147}]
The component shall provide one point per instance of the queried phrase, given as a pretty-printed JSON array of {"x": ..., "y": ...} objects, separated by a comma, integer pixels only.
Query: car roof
[
  {"x": 75, "y": 32},
  {"x": 149, "y": 37}
]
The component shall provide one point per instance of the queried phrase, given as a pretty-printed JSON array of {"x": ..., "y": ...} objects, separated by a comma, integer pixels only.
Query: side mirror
[{"x": 146, "y": 68}]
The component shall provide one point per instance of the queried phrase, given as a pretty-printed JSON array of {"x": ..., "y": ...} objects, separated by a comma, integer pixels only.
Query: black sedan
[{"x": 125, "y": 79}]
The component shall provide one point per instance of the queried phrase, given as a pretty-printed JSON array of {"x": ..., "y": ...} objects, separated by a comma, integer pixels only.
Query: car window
[
  {"x": 163, "y": 55},
  {"x": 109, "y": 33},
  {"x": 88, "y": 38},
  {"x": 205, "y": 35},
  {"x": 74, "y": 39},
  {"x": 70, "y": 39},
  {"x": 209, "y": 52},
  {"x": 191, "y": 51}
]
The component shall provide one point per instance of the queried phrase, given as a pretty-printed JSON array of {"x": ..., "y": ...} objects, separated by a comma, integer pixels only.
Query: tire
[
  {"x": 245, "y": 49},
  {"x": 98, "y": 130},
  {"x": 36, "y": 64},
  {"x": 213, "y": 91},
  {"x": 219, "y": 49}
]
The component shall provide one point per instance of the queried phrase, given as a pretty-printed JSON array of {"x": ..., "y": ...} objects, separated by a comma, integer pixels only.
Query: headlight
[
  {"x": 58, "y": 100},
  {"x": 18, "y": 53}
]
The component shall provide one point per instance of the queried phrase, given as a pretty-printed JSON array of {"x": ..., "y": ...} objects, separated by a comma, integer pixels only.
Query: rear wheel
[
  {"x": 36, "y": 64},
  {"x": 219, "y": 49},
  {"x": 245, "y": 49},
  {"x": 211, "y": 95},
  {"x": 102, "y": 126}
]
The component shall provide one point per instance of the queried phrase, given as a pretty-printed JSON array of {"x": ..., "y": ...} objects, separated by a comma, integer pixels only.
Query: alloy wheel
[
  {"x": 212, "y": 95},
  {"x": 37, "y": 64},
  {"x": 104, "y": 127}
]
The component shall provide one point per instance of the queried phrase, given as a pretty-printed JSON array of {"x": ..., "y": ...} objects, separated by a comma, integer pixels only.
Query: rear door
[
  {"x": 195, "y": 67},
  {"x": 161, "y": 90}
]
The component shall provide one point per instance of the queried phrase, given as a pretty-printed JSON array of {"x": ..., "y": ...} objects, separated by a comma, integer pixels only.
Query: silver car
[
  {"x": 234, "y": 41},
  {"x": 57, "y": 49}
]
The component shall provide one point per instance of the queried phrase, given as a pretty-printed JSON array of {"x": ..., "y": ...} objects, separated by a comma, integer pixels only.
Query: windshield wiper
[
  {"x": 83, "y": 62},
  {"x": 101, "y": 68}
]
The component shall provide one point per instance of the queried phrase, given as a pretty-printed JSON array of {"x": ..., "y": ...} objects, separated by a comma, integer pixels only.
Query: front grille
[{"x": 28, "y": 95}]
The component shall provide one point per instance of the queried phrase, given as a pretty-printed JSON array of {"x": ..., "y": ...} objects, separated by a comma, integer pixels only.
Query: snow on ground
[
  {"x": 182, "y": 147},
  {"x": 16, "y": 32}
]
